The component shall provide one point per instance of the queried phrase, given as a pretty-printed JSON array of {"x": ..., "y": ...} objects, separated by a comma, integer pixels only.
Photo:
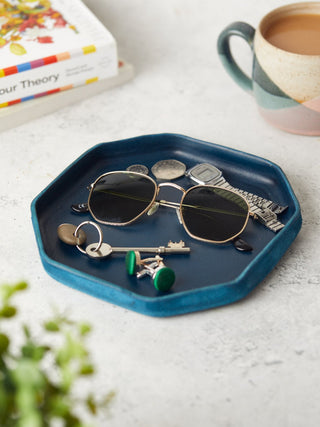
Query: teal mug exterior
[{"x": 285, "y": 85}]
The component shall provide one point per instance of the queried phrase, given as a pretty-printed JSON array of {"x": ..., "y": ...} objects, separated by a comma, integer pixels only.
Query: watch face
[{"x": 205, "y": 173}]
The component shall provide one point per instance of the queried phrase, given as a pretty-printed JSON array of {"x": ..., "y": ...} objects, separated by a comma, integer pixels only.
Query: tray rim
[{"x": 54, "y": 268}]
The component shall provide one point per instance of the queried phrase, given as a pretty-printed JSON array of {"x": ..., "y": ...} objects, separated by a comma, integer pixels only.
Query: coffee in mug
[
  {"x": 296, "y": 33},
  {"x": 285, "y": 78}
]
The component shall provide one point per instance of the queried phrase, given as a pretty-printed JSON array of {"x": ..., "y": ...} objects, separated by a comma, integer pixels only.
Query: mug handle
[{"x": 246, "y": 31}]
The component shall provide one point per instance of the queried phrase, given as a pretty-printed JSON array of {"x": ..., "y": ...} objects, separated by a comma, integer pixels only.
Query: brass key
[
  {"x": 105, "y": 249},
  {"x": 75, "y": 236}
]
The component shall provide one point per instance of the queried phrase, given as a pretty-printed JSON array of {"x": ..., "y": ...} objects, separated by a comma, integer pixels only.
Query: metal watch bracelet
[{"x": 264, "y": 210}]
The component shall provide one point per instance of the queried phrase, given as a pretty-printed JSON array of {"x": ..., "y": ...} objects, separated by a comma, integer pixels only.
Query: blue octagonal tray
[{"x": 210, "y": 276}]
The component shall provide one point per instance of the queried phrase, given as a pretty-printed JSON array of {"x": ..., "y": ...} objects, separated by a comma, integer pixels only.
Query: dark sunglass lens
[
  {"x": 214, "y": 214},
  {"x": 121, "y": 197}
]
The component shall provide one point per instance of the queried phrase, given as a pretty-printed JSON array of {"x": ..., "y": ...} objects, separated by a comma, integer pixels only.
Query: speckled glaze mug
[{"x": 285, "y": 84}]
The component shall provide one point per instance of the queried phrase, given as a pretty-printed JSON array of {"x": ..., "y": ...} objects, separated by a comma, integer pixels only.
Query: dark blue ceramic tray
[{"x": 210, "y": 276}]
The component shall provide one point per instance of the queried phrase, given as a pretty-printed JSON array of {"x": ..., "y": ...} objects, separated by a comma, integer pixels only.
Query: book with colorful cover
[
  {"x": 25, "y": 112},
  {"x": 48, "y": 46}
]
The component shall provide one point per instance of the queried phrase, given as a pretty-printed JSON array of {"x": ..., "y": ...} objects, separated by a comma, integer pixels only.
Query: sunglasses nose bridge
[{"x": 177, "y": 187}]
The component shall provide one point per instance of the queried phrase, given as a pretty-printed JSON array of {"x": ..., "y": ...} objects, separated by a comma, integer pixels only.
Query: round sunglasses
[{"x": 208, "y": 213}]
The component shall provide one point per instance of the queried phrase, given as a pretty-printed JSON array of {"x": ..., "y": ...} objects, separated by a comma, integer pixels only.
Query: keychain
[{"x": 162, "y": 276}]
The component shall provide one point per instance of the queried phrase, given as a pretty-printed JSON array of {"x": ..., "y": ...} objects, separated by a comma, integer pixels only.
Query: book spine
[{"x": 56, "y": 73}]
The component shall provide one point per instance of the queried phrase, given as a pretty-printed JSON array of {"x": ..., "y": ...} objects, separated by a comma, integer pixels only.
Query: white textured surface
[{"x": 255, "y": 363}]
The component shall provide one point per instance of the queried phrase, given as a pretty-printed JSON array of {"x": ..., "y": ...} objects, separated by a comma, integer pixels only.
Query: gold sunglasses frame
[{"x": 175, "y": 205}]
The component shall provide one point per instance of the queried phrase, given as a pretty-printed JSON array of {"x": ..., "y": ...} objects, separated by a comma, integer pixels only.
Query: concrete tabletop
[{"x": 252, "y": 363}]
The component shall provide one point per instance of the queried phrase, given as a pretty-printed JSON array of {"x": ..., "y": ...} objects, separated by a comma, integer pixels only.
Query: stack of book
[{"x": 48, "y": 47}]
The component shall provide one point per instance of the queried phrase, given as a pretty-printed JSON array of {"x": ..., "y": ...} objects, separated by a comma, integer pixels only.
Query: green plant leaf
[
  {"x": 91, "y": 404},
  {"x": 27, "y": 374},
  {"x": 4, "y": 343},
  {"x": 21, "y": 286},
  {"x": 86, "y": 369},
  {"x": 59, "y": 406},
  {"x": 33, "y": 351},
  {"x": 26, "y": 331},
  {"x": 8, "y": 311},
  {"x": 52, "y": 326},
  {"x": 84, "y": 329},
  {"x": 31, "y": 419}
]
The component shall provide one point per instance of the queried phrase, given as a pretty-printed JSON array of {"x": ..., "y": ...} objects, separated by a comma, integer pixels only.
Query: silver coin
[
  {"x": 168, "y": 169},
  {"x": 138, "y": 168}
]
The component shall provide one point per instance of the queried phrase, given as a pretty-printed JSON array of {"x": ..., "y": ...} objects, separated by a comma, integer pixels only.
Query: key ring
[{"x": 97, "y": 227}]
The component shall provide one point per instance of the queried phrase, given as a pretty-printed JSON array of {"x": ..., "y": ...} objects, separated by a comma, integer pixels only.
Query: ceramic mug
[{"x": 286, "y": 85}]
